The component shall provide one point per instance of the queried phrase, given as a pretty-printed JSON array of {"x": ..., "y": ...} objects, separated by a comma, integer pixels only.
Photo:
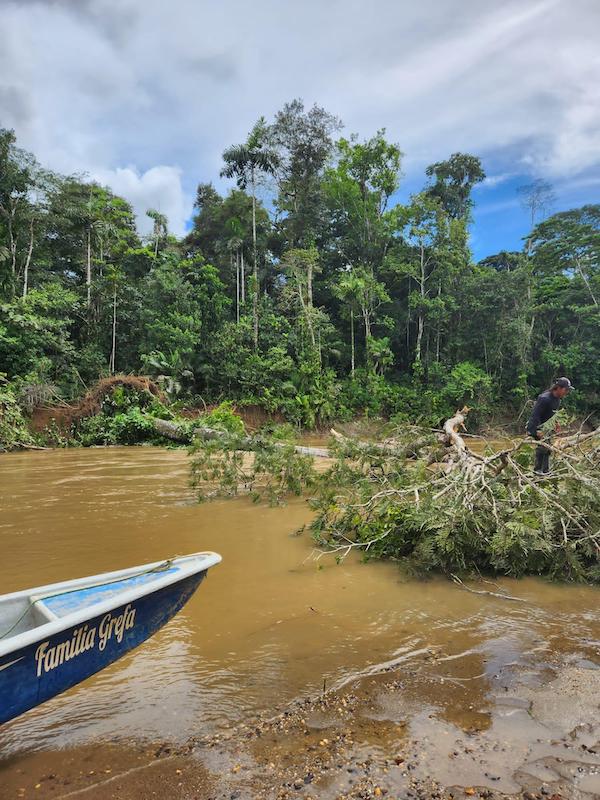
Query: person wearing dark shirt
[{"x": 544, "y": 409}]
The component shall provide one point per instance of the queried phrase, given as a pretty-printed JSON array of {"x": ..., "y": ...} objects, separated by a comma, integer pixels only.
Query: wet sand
[
  {"x": 539, "y": 739},
  {"x": 287, "y": 677}
]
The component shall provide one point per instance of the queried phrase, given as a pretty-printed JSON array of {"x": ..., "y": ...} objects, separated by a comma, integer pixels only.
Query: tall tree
[
  {"x": 453, "y": 181},
  {"x": 89, "y": 227},
  {"x": 537, "y": 198},
  {"x": 246, "y": 163},
  {"x": 303, "y": 141},
  {"x": 569, "y": 243},
  {"x": 300, "y": 266},
  {"x": 207, "y": 223},
  {"x": 24, "y": 187},
  {"x": 359, "y": 189},
  {"x": 160, "y": 228},
  {"x": 427, "y": 229},
  {"x": 235, "y": 248},
  {"x": 359, "y": 288},
  {"x": 222, "y": 233},
  {"x": 114, "y": 277}
]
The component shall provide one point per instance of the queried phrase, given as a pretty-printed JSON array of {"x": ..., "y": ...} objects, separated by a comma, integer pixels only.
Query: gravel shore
[{"x": 535, "y": 735}]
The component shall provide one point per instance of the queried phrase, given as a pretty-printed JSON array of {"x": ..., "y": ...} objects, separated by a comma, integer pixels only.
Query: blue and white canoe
[{"x": 53, "y": 637}]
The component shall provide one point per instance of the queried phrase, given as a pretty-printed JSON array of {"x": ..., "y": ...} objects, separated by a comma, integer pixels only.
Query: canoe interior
[
  {"x": 68, "y": 602},
  {"x": 21, "y": 612},
  {"x": 18, "y": 615}
]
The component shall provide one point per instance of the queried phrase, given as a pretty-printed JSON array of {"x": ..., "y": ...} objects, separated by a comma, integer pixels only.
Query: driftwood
[{"x": 499, "y": 595}]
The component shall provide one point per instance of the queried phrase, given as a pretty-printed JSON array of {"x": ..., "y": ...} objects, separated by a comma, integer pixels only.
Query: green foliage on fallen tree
[
  {"x": 222, "y": 418},
  {"x": 132, "y": 426},
  {"x": 263, "y": 468},
  {"x": 488, "y": 513},
  {"x": 432, "y": 505}
]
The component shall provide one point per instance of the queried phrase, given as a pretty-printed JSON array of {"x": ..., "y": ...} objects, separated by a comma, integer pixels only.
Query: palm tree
[
  {"x": 160, "y": 228},
  {"x": 234, "y": 246},
  {"x": 114, "y": 276},
  {"x": 245, "y": 162}
]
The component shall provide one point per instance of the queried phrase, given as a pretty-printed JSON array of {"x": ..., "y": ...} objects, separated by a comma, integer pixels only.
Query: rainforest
[{"x": 305, "y": 290}]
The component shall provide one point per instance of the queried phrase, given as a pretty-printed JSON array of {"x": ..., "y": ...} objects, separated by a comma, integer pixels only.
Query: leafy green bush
[
  {"x": 374, "y": 395},
  {"x": 222, "y": 418},
  {"x": 94, "y": 431},
  {"x": 13, "y": 427},
  {"x": 123, "y": 398},
  {"x": 279, "y": 431},
  {"x": 313, "y": 396},
  {"x": 127, "y": 427},
  {"x": 55, "y": 436},
  {"x": 132, "y": 427},
  {"x": 468, "y": 384}
]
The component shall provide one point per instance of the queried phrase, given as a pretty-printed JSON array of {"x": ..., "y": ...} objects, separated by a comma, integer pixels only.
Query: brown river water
[{"x": 269, "y": 624}]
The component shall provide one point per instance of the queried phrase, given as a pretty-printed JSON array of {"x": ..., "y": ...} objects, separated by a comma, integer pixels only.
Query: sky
[{"x": 144, "y": 95}]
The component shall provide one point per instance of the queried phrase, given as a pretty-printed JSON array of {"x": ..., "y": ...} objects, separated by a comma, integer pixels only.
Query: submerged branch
[{"x": 500, "y": 595}]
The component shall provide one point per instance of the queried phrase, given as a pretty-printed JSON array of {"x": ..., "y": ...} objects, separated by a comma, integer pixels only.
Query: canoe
[{"x": 53, "y": 637}]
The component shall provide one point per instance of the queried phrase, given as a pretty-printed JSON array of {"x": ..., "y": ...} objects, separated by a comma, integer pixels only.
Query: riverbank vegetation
[
  {"x": 307, "y": 289},
  {"x": 14, "y": 431}
]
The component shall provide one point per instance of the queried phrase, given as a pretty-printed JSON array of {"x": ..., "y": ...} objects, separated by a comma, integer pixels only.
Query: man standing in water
[{"x": 544, "y": 409}]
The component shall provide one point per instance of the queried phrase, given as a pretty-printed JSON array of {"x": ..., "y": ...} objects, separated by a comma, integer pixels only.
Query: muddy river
[{"x": 270, "y": 624}]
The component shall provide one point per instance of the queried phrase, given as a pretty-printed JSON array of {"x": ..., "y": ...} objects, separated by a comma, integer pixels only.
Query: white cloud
[
  {"x": 491, "y": 181},
  {"x": 121, "y": 88},
  {"x": 579, "y": 183},
  {"x": 159, "y": 188}
]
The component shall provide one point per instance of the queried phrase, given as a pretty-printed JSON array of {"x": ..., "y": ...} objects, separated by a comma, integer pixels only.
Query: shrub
[
  {"x": 132, "y": 427},
  {"x": 222, "y": 418},
  {"x": 128, "y": 427},
  {"x": 13, "y": 427}
]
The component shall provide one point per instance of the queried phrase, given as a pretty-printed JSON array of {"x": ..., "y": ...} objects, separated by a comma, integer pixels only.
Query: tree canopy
[{"x": 307, "y": 287}]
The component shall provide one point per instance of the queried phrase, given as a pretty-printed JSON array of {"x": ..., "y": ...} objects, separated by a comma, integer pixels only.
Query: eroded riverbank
[{"x": 426, "y": 672}]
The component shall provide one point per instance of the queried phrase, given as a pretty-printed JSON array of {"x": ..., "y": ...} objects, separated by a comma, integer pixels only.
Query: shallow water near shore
[{"x": 270, "y": 624}]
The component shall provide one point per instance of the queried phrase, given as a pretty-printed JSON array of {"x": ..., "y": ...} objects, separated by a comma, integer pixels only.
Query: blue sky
[
  {"x": 144, "y": 95},
  {"x": 500, "y": 222}
]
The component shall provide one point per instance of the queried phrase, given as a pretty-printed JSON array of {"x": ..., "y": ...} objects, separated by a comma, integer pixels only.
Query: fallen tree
[
  {"x": 186, "y": 434},
  {"x": 94, "y": 399},
  {"x": 443, "y": 507},
  {"x": 488, "y": 512}
]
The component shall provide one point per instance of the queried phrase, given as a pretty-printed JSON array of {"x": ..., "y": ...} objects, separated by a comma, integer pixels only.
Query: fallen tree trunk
[
  {"x": 390, "y": 447},
  {"x": 176, "y": 433},
  {"x": 171, "y": 430}
]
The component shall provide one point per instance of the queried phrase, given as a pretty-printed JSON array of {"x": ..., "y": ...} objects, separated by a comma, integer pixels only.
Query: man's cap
[{"x": 564, "y": 383}]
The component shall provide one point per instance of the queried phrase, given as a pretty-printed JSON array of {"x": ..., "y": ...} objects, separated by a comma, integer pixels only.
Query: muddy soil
[{"x": 536, "y": 737}]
